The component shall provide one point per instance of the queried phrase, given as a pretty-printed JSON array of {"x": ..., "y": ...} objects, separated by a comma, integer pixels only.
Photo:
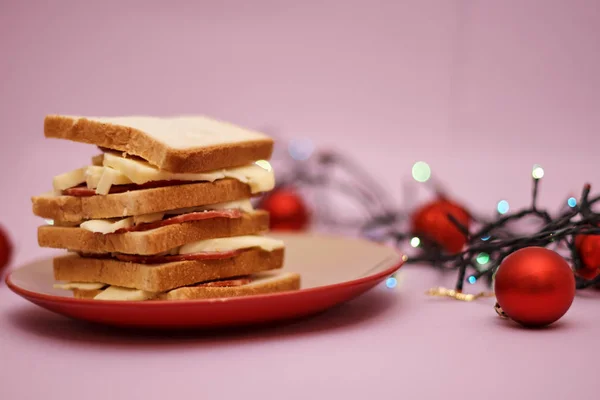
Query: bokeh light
[
  {"x": 483, "y": 258},
  {"x": 391, "y": 282},
  {"x": 472, "y": 279},
  {"x": 421, "y": 171},
  {"x": 301, "y": 149},
  {"x": 572, "y": 202},
  {"x": 503, "y": 206},
  {"x": 485, "y": 238},
  {"x": 415, "y": 242},
  {"x": 537, "y": 172}
]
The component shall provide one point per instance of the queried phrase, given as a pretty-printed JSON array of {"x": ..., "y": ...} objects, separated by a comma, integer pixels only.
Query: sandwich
[{"x": 163, "y": 211}]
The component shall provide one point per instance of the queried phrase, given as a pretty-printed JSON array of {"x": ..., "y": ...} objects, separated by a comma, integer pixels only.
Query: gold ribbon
[{"x": 457, "y": 295}]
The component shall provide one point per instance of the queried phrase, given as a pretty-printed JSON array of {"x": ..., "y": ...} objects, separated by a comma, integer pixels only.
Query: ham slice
[
  {"x": 195, "y": 216},
  {"x": 213, "y": 255},
  {"x": 83, "y": 191},
  {"x": 226, "y": 283}
]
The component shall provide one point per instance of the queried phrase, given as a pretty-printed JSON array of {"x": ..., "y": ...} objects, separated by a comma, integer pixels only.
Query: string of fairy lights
[{"x": 488, "y": 242}]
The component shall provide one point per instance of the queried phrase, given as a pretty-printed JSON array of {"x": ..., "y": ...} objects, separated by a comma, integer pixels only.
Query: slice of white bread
[
  {"x": 139, "y": 202},
  {"x": 176, "y": 144},
  {"x": 262, "y": 283},
  {"x": 162, "y": 277},
  {"x": 153, "y": 241}
]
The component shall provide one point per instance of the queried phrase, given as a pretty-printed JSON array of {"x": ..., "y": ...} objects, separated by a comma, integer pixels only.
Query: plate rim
[{"x": 183, "y": 303}]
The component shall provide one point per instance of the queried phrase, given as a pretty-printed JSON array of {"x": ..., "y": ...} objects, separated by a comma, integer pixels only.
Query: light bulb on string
[
  {"x": 503, "y": 207},
  {"x": 537, "y": 172},
  {"x": 421, "y": 172}
]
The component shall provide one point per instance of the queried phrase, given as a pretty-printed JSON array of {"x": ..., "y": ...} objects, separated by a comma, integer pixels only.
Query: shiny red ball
[
  {"x": 287, "y": 210},
  {"x": 431, "y": 223},
  {"x": 534, "y": 286},
  {"x": 5, "y": 250},
  {"x": 588, "y": 247}
]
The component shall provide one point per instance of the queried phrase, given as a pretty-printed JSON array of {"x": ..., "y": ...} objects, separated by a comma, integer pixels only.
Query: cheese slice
[
  {"x": 231, "y": 243},
  {"x": 69, "y": 179},
  {"x": 259, "y": 176},
  {"x": 146, "y": 218},
  {"x": 79, "y": 285},
  {"x": 94, "y": 173},
  {"x": 106, "y": 226},
  {"x": 124, "y": 294},
  {"x": 244, "y": 205}
]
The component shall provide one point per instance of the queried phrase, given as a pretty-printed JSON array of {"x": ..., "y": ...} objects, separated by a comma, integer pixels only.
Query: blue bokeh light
[
  {"x": 391, "y": 282},
  {"x": 572, "y": 202},
  {"x": 503, "y": 206},
  {"x": 472, "y": 279}
]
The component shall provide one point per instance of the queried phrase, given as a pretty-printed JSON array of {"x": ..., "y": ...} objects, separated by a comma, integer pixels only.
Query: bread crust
[
  {"x": 138, "y": 202},
  {"x": 152, "y": 241},
  {"x": 138, "y": 143},
  {"x": 286, "y": 282},
  {"x": 279, "y": 283},
  {"x": 162, "y": 277}
]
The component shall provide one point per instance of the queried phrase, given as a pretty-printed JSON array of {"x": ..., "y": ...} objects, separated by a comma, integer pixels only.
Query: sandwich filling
[
  {"x": 145, "y": 222},
  {"x": 122, "y": 173},
  {"x": 108, "y": 292},
  {"x": 208, "y": 249}
]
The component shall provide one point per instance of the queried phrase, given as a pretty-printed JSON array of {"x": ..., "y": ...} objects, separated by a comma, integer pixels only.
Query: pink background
[{"x": 481, "y": 90}]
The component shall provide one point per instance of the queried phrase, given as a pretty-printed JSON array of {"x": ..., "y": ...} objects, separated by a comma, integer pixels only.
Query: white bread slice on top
[
  {"x": 139, "y": 202},
  {"x": 153, "y": 241},
  {"x": 175, "y": 144},
  {"x": 262, "y": 283},
  {"x": 163, "y": 277}
]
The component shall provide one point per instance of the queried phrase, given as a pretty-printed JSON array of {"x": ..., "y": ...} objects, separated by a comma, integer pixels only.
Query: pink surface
[
  {"x": 481, "y": 90},
  {"x": 393, "y": 343}
]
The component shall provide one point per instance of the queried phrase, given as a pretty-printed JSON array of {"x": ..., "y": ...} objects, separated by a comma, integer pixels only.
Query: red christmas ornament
[
  {"x": 534, "y": 286},
  {"x": 431, "y": 223},
  {"x": 588, "y": 247},
  {"x": 5, "y": 250},
  {"x": 287, "y": 210}
]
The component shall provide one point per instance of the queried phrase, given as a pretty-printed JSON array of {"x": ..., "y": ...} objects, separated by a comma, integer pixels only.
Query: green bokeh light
[
  {"x": 421, "y": 171},
  {"x": 483, "y": 258}
]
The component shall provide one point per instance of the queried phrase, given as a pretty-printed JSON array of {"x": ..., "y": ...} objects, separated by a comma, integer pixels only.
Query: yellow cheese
[
  {"x": 106, "y": 226},
  {"x": 141, "y": 219},
  {"x": 108, "y": 178},
  {"x": 69, "y": 179},
  {"x": 243, "y": 205},
  {"x": 231, "y": 243},
  {"x": 258, "y": 176},
  {"x": 79, "y": 285},
  {"x": 124, "y": 294},
  {"x": 93, "y": 174}
]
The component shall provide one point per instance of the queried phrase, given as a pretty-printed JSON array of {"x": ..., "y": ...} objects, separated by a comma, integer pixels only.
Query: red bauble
[
  {"x": 534, "y": 286},
  {"x": 588, "y": 247},
  {"x": 287, "y": 210},
  {"x": 5, "y": 250},
  {"x": 431, "y": 223}
]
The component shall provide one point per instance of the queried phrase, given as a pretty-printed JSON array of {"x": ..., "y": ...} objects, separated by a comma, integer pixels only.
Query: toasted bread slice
[
  {"x": 262, "y": 283},
  {"x": 138, "y": 202},
  {"x": 152, "y": 241},
  {"x": 162, "y": 277},
  {"x": 179, "y": 144}
]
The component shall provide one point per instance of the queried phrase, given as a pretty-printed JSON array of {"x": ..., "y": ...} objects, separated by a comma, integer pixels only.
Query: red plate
[{"x": 333, "y": 270}]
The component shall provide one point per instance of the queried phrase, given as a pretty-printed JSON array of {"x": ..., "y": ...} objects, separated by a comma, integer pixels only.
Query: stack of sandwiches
[{"x": 163, "y": 212}]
